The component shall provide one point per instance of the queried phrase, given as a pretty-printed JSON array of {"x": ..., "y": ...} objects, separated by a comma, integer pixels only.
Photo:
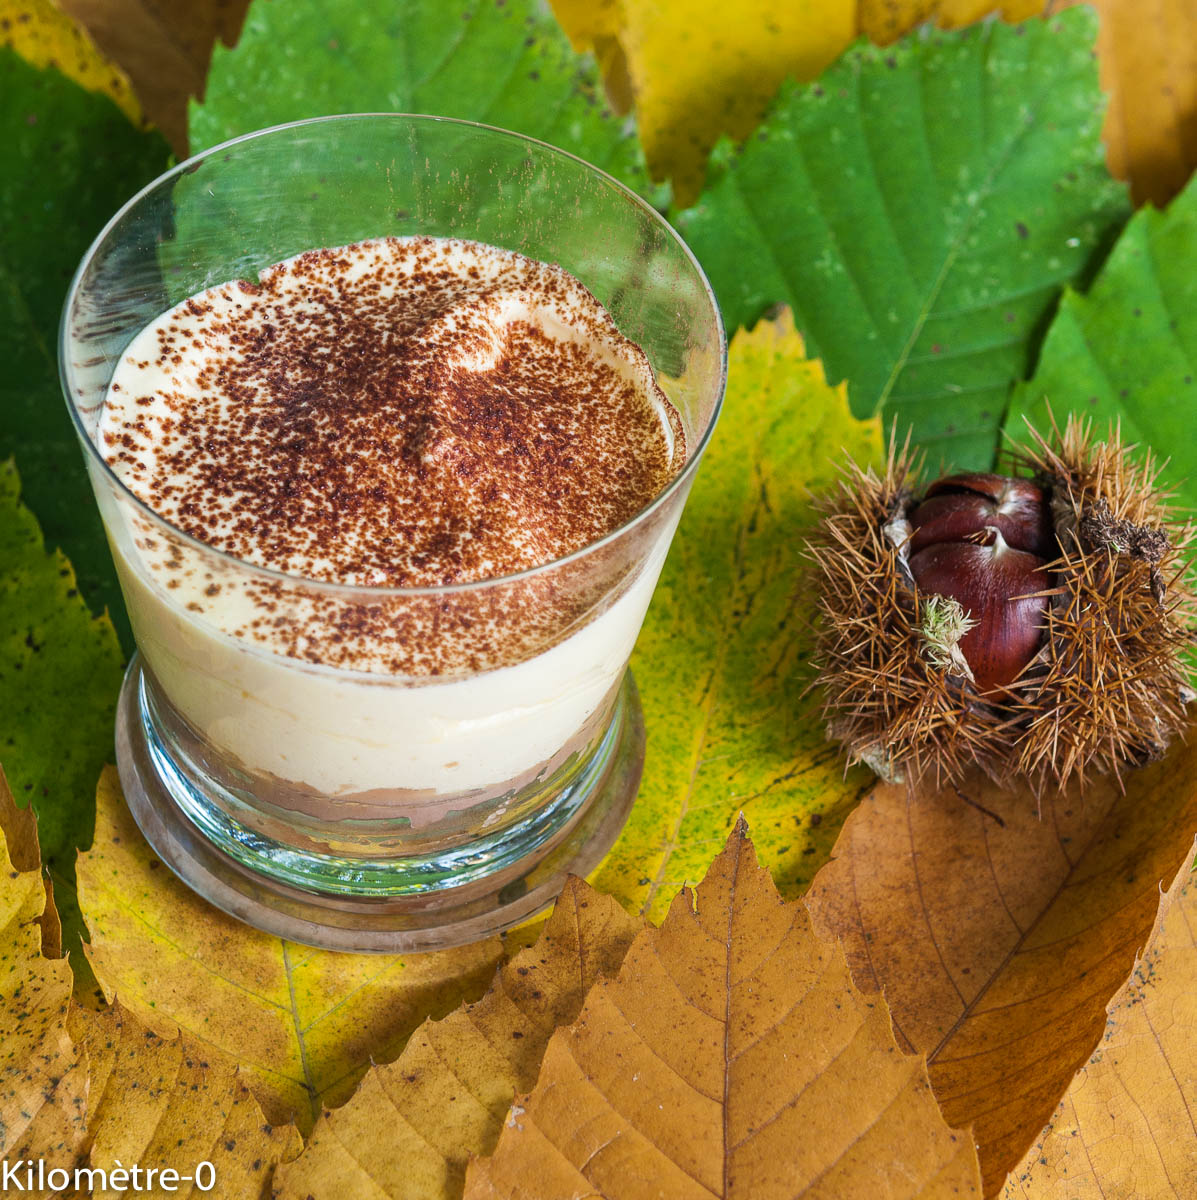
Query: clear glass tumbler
[{"x": 401, "y": 810}]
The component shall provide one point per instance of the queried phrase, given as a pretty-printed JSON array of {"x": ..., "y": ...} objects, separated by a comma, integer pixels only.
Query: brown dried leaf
[
  {"x": 1126, "y": 1125},
  {"x": 731, "y": 1057},
  {"x": 163, "y": 46},
  {"x": 41, "y": 1085},
  {"x": 162, "y": 1104},
  {"x": 306, "y": 1023},
  {"x": 998, "y": 936},
  {"x": 413, "y": 1124}
]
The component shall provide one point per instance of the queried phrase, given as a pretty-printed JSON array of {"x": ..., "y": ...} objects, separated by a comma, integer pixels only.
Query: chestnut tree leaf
[
  {"x": 884, "y": 20},
  {"x": 1126, "y": 350},
  {"x": 1148, "y": 59},
  {"x": 165, "y": 47},
  {"x": 506, "y": 64},
  {"x": 60, "y": 671},
  {"x": 920, "y": 209},
  {"x": 732, "y": 1056},
  {"x": 412, "y": 1125},
  {"x": 160, "y": 1103},
  {"x": 1125, "y": 1125},
  {"x": 699, "y": 69},
  {"x": 998, "y": 927},
  {"x": 304, "y": 1023},
  {"x": 69, "y": 158},
  {"x": 45, "y": 36},
  {"x": 41, "y": 1083},
  {"x": 723, "y": 660}
]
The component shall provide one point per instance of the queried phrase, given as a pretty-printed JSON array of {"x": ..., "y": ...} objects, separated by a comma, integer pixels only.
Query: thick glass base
[{"x": 389, "y": 891}]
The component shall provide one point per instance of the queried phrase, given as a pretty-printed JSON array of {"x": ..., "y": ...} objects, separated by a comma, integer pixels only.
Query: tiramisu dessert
[{"x": 367, "y": 435}]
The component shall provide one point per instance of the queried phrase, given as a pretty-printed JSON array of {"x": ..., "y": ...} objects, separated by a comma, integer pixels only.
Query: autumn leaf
[
  {"x": 723, "y": 659},
  {"x": 60, "y": 670},
  {"x": 998, "y": 933},
  {"x": 502, "y": 64},
  {"x": 159, "y": 1103},
  {"x": 700, "y": 69},
  {"x": 44, "y": 36},
  {"x": 737, "y": 55},
  {"x": 885, "y": 20},
  {"x": 1126, "y": 351},
  {"x": 68, "y": 159},
  {"x": 1147, "y": 52},
  {"x": 410, "y": 1128},
  {"x": 80, "y": 1088},
  {"x": 164, "y": 46},
  {"x": 305, "y": 1023},
  {"x": 42, "y": 1084},
  {"x": 732, "y": 1056},
  {"x": 1125, "y": 1126},
  {"x": 920, "y": 209}
]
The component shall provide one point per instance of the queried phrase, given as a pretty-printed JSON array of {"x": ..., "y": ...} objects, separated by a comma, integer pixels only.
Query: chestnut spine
[{"x": 1032, "y": 625}]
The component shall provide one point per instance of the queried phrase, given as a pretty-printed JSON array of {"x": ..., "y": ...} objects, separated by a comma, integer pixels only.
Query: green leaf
[
  {"x": 723, "y": 661},
  {"x": 500, "y": 62},
  {"x": 60, "y": 671},
  {"x": 920, "y": 209},
  {"x": 1127, "y": 351},
  {"x": 68, "y": 159}
]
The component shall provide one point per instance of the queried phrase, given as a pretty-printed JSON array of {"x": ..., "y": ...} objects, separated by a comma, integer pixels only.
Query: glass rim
[{"x": 380, "y": 591}]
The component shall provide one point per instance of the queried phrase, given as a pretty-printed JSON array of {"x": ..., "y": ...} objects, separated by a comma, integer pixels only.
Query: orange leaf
[
  {"x": 1125, "y": 1127},
  {"x": 998, "y": 936},
  {"x": 446, "y": 1096},
  {"x": 1147, "y": 53},
  {"x": 159, "y": 1103},
  {"x": 732, "y": 1057}
]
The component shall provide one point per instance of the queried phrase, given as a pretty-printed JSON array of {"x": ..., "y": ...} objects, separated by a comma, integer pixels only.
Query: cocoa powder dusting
[{"x": 402, "y": 412}]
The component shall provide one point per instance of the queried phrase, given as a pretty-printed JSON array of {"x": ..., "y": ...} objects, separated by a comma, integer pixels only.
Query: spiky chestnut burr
[{"x": 1033, "y": 626}]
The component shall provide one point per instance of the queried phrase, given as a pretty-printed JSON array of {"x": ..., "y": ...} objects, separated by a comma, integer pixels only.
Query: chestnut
[{"x": 984, "y": 541}]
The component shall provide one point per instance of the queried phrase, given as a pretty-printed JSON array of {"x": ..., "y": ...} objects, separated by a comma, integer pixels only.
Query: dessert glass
[{"x": 358, "y": 809}]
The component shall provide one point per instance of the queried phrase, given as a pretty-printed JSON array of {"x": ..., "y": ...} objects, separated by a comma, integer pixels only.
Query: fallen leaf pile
[
  {"x": 80, "y": 1088},
  {"x": 304, "y": 1024},
  {"x": 446, "y": 1096},
  {"x": 908, "y": 215}
]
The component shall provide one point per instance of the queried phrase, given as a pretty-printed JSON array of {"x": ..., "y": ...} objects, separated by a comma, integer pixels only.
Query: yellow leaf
[
  {"x": 42, "y": 1083},
  {"x": 45, "y": 37},
  {"x": 1125, "y": 1126},
  {"x": 1147, "y": 54},
  {"x": 998, "y": 933},
  {"x": 445, "y": 1098},
  {"x": 723, "y": 660},
  {"x": 699, "y": 69},
  {"x": 731, "y": 1057},
  {"x": 165, "y": 47},
  {"x": 305, "y": 1023},
  {"x": 158, "y": 1103}
]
